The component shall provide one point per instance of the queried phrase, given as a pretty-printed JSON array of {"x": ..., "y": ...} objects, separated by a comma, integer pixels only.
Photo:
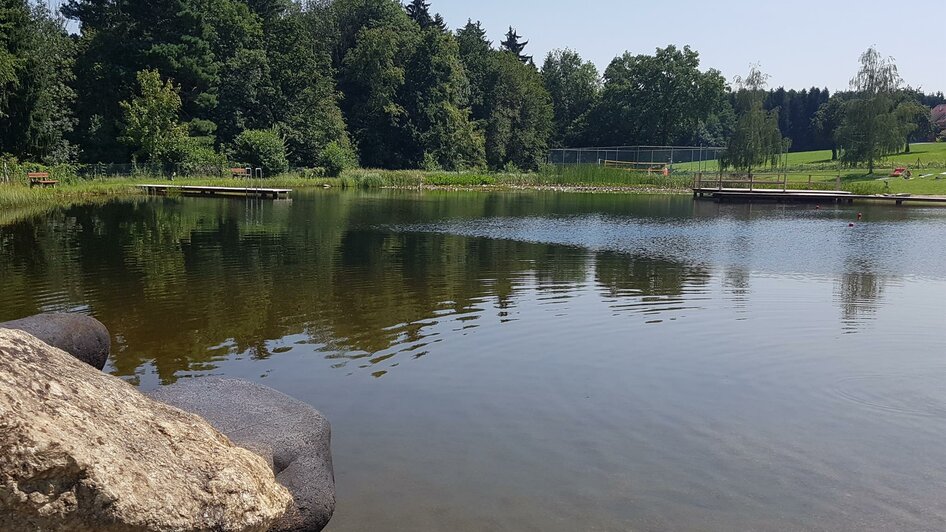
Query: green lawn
[{"x": 927, "y": 162}]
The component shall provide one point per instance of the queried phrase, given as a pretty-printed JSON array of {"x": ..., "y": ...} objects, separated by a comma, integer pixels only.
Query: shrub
[
  {"x": 195, "y": 156},
  {"x": 336, "y": 158},
  {"x": 262, "y": 148}
]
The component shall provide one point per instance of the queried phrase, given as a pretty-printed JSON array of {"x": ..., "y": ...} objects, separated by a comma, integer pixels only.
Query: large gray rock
[
  {"x": 83, "y": 337},
  {"x": 84, "y": 451},
  {"x": 294, "y": 434}
]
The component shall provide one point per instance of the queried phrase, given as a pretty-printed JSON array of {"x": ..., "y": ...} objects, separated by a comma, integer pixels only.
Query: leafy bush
[
  {"x": 196, "y": 156},
  {"x": 262, "y": 148},
  {"x": 16, "y": 171},
  {"x": 336, "y": 158}
]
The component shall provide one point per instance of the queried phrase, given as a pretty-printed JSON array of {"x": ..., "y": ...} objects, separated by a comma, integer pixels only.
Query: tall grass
[{"x": 593, "y": 175}]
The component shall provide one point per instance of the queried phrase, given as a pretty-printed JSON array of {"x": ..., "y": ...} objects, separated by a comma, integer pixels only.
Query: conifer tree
[
  {"x": 419, "y": 11},
  {"x": 514, "y": 46}
]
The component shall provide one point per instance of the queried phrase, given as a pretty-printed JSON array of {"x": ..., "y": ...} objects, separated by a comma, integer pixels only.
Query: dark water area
[{"x": 543, "y": 361}]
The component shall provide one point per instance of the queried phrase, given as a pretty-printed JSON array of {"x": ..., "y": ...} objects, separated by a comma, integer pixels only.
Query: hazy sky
[{"x": 800, "y": 43}]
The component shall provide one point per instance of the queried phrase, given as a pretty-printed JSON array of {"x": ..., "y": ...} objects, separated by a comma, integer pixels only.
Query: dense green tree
[
  {"x": 514, "y": 45},
  {"x": 796, "y": 111},
  {"x": 406, "y": 91},
  {"x": 175, "y": 37},
  {"x": 756, "y": 140},
  {"x": 374, "y": 72},
  {"x": 520, "y": 114},
  {"x": 871, "y": 128},
  {"x": 374, "y": 41},
  {"x": 916, "y": 116},
  {"x": 435, "y": 100},
  {"x": 419, "y": 11},
  {"x": 351, "y": 17},
  {"x": 826, "y": 121},
  {"x": 658, "y": 99},
  {"x": 262, "y": 148},
  {"x": 390, "y": 83},
  {"x": 245, "y": 91},
  {"x": 151, "y": 125},
  {"x": 14, "y": 25},
  {"x": 304, "y": 101},
  {"x": 36, "y": 97},
  {"x": 573, "y": 85},
  {"x": 476, "y": 52}
]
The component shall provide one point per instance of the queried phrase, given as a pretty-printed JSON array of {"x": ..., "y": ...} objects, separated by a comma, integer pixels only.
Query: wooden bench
[
  {"x": 41, "y": 179},
  {"x": 240, "y": 172}
]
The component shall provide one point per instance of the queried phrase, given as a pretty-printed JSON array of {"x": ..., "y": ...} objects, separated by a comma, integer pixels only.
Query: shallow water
[{"x": 542, "y": 361}]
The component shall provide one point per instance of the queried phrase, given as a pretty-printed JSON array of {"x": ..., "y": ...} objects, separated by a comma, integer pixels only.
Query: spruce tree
[
  {"x": 419, "y": 11},
  {"x": 512, "y": 45},
  {"x": 475, "y": 52}
]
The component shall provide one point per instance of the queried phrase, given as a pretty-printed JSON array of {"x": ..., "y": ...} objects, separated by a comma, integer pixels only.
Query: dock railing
[{"x": 752, "y": 181}]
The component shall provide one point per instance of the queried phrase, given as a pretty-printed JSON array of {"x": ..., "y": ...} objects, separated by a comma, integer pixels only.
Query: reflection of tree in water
[
  {"x": 859, "y": 292},
  {"x": 622, "y": 275},
  {"x": 648, "y": 285},
  {"x": 183, "y": 284},
  {"x": 736, "y": 283}
]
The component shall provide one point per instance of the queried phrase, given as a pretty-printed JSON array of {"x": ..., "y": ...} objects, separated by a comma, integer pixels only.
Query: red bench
[{"x": 41, "y": 179}]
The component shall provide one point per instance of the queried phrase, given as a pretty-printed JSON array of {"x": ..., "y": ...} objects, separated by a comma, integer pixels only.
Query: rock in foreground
[
  {"x": 294, "y": 434},
  {"x": 84, "y": 451},
  {"x": 83, "y": 337}
]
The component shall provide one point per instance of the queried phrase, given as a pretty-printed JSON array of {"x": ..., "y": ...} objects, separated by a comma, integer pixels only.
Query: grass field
[{"x": 926, "y": 161}]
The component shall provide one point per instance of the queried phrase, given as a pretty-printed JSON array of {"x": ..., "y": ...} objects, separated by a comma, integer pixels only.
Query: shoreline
[
  {"x": 17, "y": 200},
  {"x": 19, "y": 197},
  {"x": 576, "y": 188}
]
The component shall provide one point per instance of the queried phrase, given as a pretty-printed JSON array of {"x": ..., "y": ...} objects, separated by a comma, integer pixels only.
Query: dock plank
[
  {"x": 198, "y": 190},
  {"x": 808, "y": 196}
]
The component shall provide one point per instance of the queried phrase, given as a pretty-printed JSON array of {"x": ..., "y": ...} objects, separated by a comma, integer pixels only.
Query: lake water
[{"x": 543, "y": 361}]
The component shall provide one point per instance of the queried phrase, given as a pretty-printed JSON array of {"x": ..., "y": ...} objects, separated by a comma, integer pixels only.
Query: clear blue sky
[{"x": 799, "y": 43}]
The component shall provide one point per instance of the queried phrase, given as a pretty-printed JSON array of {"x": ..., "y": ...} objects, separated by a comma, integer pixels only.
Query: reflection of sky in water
[
  {"x": 568, "y": 362},
  {"x": 796, "y": 242}
]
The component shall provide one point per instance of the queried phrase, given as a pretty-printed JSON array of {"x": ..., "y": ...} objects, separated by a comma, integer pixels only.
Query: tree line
[{"x": 331, "y": 84}]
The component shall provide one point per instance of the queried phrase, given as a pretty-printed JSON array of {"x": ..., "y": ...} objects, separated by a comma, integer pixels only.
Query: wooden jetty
[
  {"x": 752, "y": 188},
  {"x": 807, "y": 196},
  {"x": 192, "y": 190}
]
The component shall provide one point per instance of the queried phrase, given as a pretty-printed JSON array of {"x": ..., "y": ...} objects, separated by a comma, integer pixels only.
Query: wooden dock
[
  {"x": 192, "y": 190},
  {"x": 735, "y": 195}
]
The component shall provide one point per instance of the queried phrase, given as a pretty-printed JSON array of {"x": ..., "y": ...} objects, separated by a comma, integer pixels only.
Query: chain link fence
[{"x": 693, "y": 158}]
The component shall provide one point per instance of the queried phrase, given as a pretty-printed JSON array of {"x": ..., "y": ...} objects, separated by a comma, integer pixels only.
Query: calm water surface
[{"x": 540, "y": 361}]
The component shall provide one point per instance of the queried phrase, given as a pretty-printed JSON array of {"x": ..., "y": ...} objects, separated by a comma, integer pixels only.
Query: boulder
[
  {"x": 296, "y": 435},
  {"x": 83, "y": 337},
  {"x": 84, "y": 451}
]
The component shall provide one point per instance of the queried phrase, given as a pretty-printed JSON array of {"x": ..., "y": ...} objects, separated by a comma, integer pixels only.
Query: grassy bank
[
  {"x": 806, "y": 170},
  {"x": 75, "y": 190}
]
